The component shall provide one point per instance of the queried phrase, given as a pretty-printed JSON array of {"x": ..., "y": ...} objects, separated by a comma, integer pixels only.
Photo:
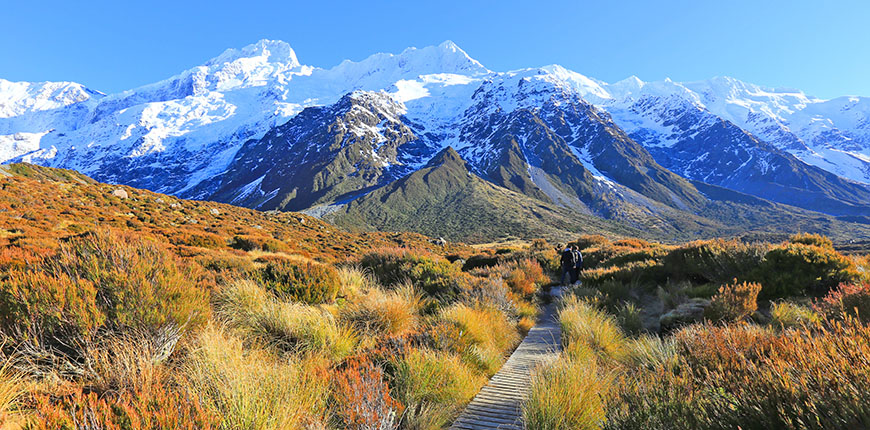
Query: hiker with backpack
[
  {"x": 568, "y": 263},
  {"x": 578, "y": 264}
]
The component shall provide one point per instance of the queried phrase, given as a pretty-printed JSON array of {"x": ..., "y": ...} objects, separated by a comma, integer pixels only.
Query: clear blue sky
[{"x": 820, "y": 47}]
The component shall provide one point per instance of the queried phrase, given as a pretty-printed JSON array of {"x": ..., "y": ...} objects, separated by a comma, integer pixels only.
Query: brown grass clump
[{"x": 385, "y": 313}]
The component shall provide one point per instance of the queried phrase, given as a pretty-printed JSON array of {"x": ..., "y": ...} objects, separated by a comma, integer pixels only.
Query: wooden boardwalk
[{"x": 498, "y": 405}]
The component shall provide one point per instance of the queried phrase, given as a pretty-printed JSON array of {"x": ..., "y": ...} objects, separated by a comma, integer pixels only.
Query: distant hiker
[
  {"x": 578, "y": 264},
  {"x": 568, "y": 264}
]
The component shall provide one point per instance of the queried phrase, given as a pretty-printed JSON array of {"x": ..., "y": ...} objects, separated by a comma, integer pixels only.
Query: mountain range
[{"x": 431, "y": 140}]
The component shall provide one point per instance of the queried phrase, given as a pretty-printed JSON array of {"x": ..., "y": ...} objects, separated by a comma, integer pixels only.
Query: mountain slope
[{"x": 445, "y": 199}]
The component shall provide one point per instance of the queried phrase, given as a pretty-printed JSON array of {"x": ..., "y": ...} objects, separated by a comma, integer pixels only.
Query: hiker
[
  {"x": 568, "y": 264},
  {"x": 578, "y": 264}
]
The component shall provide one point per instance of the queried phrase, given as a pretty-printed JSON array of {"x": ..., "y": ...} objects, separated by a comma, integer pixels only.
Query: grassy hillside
[{"x": 125, "y": 309}]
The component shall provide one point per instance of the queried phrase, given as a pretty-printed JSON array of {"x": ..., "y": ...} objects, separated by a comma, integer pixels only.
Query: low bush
[
  {"x": 103, "y": 278},
  {"x": 159, "y": 407},
  {"x": 436, "y": 276},
  {"x": 258, "y": 243},
  {"x": 36, "y": 306},
  {"x": 847, "y": 300},
  {"x": 812, "y": 239},
  {"x": 362, "y": 398},
  {"x": 734, "y": 301},
  {"x": 797, "y": 269},
  {"x": 589, "y": 241},
  {"x": 306, "y": 282},
  {"x": 714, "y": 261}
]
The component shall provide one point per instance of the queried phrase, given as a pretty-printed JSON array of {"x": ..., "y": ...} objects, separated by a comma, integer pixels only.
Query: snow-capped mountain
[{"x": 257, "y": 127}]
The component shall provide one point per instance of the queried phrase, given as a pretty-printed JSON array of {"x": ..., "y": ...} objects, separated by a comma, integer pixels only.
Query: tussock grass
[
  {"x": 434, "y": 386},
  {"x": 487, "y": 335},
  {"x": 244, "y": 305},
  {"x": 587, "y": 327},
  {"x": 786, "y": 315},
  {"x": 252, "y": 389},
  {"x": 569, "y": 393},
  {"x": 13, "y": 387},
  {"x": 385, "y": 313}
]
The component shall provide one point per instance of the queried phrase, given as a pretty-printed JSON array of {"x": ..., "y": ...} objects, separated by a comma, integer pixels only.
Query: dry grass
[
  {"x": 486, "y": 335},
  {"x": 586, "y": 327},
  {"x": 13, "y": 387},
  {"x": 568, "y": 394},
  {"x": 433, "y": 386},
  {"x": 246, "y": 306},
  {"x": 385, "y": 313},
  {"x": 251, "y": 389}
]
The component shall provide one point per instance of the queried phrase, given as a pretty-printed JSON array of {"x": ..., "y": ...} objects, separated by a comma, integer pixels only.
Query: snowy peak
[
  {"x": 271, "y": 51},
  {"x": 409, "y": 64},
  {"x": 17, "y": 98}
]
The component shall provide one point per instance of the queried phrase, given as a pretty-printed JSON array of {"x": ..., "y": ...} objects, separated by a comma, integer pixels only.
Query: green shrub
[
  {"x": 734, "y": 301},
  {"x": 435, "y": 276},
  {"x": 796, "y": 269},
  {"x": 258, "y": 243},
  {"x": 714, "y": 261},
  {"x": 306, "y": 282}
]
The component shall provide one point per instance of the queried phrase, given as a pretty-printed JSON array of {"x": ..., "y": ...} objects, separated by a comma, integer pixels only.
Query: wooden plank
[{"x": 498, "y": 405}]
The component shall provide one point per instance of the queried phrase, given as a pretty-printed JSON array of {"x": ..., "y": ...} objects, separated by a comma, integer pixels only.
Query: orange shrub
[
  {"x": 153, "y": 408},
  {"x": 362, "y": 397},
  {"x": 308, "y": 282},
  {"x": 734, "y": 301},
  {"x": 138, "y": 282},
  {"x": 847, "y": 299},
  {"x": 40, "y": 306},
  {"x": 525, "y": 277}
]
